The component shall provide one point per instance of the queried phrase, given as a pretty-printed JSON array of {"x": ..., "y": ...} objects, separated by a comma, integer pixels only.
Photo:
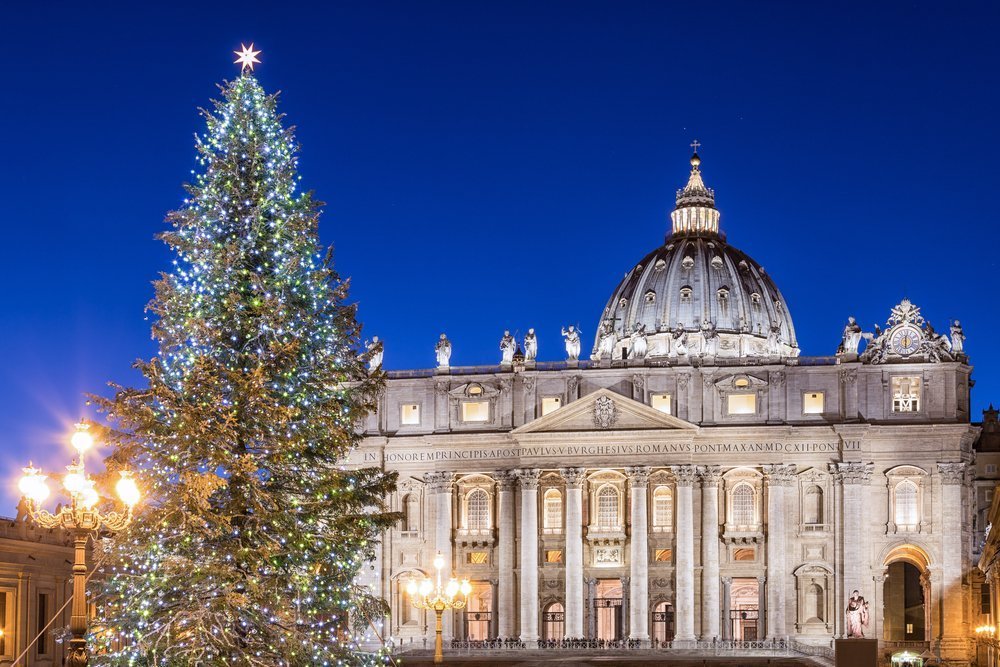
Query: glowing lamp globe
[
  {"x": 439, "y": 561},
  {"x": 88, "y": 495},
  {"x": 127, "y": 490},
  {"x": 411, "y": 587},
  {"x": 426, "y": 587},
  {"x": 466, "y": 587},
  {"x": 32, "y": 485},
  {"x": 451, "y": 590},
  {"x": 82, "y": 440},
  {"x": 74, "y": 481}
]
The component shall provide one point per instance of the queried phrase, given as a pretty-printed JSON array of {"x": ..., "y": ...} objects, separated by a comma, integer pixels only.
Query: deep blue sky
[{"x": 491, "y": 166}]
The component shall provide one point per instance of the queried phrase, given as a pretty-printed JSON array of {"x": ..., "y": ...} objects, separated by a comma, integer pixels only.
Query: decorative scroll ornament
[
  {"x": 573, "y": 476},
  {"x": 908, "y": 336},
  {"x": 605, "y": 412}
]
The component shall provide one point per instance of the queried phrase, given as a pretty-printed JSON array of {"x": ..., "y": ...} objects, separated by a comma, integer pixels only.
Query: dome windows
[
  {"x": 717, "y": 262},
  {"x": 622, "y": 302},
  {"x": 723, "y": 297},
  {"x": 685, "y": 294},
  {"x": 687, "y": 262},
  {"x": 650, "y": 296},
  {"x": 660, "y": 265}
]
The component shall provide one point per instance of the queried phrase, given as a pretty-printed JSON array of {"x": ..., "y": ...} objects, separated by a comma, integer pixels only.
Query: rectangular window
[
  {"x": 663, "y": 555},
  {"x": 660, "y": 402},
  {"x": 476, "y": 411},
  {"x": 42, "y": 646},
  {"x": 7, "y": 624},
  {"x": 989, "y": 495},
  {"x": 550, "y": 404},
  {"x": 812, "y": 403},
  {"x": 476, "y": 558},
  {"x": 906, "y": 393},
  {"x": 409, "y": 414},
  {"x": 741, "y": 404},
  {"x": 991, "y": 468},
  {"x": 553, "y": 556}
]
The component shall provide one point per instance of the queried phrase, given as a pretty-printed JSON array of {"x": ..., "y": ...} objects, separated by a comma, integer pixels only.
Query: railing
[
  {"x": 903, "y": 645},
  {"x": 717, "y": 647},
  {"x": 812, "y": 649}
]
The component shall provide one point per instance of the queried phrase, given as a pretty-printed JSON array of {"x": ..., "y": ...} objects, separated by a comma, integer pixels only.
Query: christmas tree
[{"x": 247, "y": 549}]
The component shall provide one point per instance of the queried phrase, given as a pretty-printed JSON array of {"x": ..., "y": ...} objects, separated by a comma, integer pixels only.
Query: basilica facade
[{"x": 693, "y": 479}]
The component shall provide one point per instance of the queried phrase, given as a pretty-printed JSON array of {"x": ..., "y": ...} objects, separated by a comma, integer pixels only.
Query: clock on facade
[{"x": 905, "y": 340}]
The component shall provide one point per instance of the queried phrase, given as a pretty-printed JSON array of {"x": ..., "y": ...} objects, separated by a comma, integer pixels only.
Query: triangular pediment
[{"x": 604, "y": 410}]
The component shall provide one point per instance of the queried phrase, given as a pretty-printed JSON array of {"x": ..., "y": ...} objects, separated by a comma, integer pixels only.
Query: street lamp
[
  {"x": 424, "y": 594},
  {"x": 81, "y": 518}
]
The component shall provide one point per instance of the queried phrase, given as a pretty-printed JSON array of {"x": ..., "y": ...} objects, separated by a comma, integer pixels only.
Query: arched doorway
[
  {"x": 479, "y": 612},
  {"x": 554, "y": 622},
  {"x": 906, "y": 595},
  {"x": 663, "y": 623}
]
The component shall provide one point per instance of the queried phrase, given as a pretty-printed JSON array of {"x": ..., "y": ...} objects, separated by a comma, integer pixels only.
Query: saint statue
[
  {"x": 680, "y": 340},
  {"x": 375, "y": 352},
  {"x": 773, "y": 343},
  {"x": 572, "y": 339},
  {"x": 711, "y": 336},
  {"x": 443, "y": 351},
  {"x": 851, "y": 337},
  {"x": 857, "y": 616},
  {"x": 637, "y": 342},
  {"x": 530, "y": 345},
  {"x": 957, "y": 338},
  {"x": 606, "y": 344},
  {"x": 508, "y": 346}
]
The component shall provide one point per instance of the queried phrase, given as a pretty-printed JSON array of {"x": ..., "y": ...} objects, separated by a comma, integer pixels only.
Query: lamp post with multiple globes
[
  {"x": 426, "y": 594},
  {"x": 81, "y": 518}
]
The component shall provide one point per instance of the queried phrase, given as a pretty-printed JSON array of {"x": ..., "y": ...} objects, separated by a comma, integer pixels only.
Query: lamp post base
[{"x": 438, "y": 644}]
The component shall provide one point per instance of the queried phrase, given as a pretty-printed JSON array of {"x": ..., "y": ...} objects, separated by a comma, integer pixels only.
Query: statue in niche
[
  {"x": 957, "y": 338},
  {"x": 443, "y": 351},
  {"x": 606, "y": 343},
  {"x": 637, "y": 342},
  {"x": 530, "y": 345},
  {"x": 773, "y": 343},
  {"x": 375, "y": 352},
  {"x": 711, "y": 336},
  {"x": 851, "y": 337},
  {"x": 508, "y": 346},
  {"x": 572, "y": 339},
  {"x": 680, "y": 339},
  {"x": 857, "y": 616}
]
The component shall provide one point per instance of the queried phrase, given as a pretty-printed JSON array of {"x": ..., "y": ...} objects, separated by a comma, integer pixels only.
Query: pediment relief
[
  {"x": 740, "y": 382},
  {"x": 604, "y": 410},
  {"x": 473, "y": 391}
]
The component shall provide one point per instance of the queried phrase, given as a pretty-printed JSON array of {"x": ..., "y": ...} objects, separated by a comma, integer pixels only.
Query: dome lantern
[{"x": 695, "y": 211}]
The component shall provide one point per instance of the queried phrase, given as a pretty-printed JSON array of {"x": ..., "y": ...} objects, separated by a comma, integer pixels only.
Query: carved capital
[
  {"x": 952, "y": 473},
  {"x": 529, "y": 383},
  {"x": 442, "y": 387},
  {"x": 638, "y": 476},
  {"x": 686, "y": 475},
  {"x": 438, "y": 482},
  {"x": 506, "y": 479},
  {"x": 710, "y": 476},
  {"x": 573, "y": 477},
  {"x": 848, "y": 375},
  {"x": 776, "y": 379},
  {"x": 853, "y": 472},
  {"x": 780, "y": 474},
  {"x": 682, "y": 381},
  {"x": 638, "y": 381},
  {"x": 503, "y": 385},
  {"x": 572, "y": 383},
  {"x": 528, "y": 478}
]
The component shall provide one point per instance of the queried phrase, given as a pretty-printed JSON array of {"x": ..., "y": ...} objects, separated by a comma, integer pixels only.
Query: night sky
[{"x": 501, "y": 165}]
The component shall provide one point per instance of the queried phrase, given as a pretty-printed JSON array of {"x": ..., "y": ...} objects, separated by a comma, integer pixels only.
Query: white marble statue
[
  {"x": 680, "y": 339},
  {"x": 711, "y": 336},
  {"x": 443, "y": 351},
  {"x": 572, "y": 339},
  {"x": 857, "y": 616},
  {"x": 508, "y": 346},
  {"x": 637, "y": 347},
  {"x": 375, "y": 351},
  {"x": 957, "y": 338},
  {"x": 773, "y": 342},
  {"x": 851, "y": 337},
  {"x": 606, "y": 344},
  {"x": 530, "y": 345}
]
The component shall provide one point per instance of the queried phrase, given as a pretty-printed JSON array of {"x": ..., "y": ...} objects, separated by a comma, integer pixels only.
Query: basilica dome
[{"x": 695, "y": 295}]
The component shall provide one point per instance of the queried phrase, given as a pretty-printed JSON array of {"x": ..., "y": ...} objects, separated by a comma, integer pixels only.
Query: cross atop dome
[{"x": 695, "y": 212}]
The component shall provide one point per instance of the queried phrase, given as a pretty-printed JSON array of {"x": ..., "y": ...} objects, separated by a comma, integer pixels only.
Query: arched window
[
  {"x": 812, "y": 506},
  {"x": 411, "y": 512},
  {"x": 663, "y": 507},
  {"x": 907, "y": 512},
  {"x": 744, "y": 501},
  {"x": 607, "y": 508},
  {"x": 815, "y": 607},
  {"x": 553, "y": 509},
  {"x": 477, "y": 510}
]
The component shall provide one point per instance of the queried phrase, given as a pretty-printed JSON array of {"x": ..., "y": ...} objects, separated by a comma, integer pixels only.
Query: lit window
[
  {"x": 477, "y": 510},
  {"x": 553, "y": 510},
  {"x": 476, "y": 558},
  {"x": 607, "y": 508},
  {"x": 663, "y": 555},
  {"x": 906, "y": 394},
  {"x": 744, "y": 505},
  {"x": 550, "y": 404},
  {"x": 410, "y": 414},
  {"x": 475, "y": 411},
  {"x": 660, "y": 402},
  {"x": 812, "y": 403},
  {"x": 741, "y": 404},
  {"x": 553, "y": 556},
  {"x": 907, "y": 514},
  {"x": 663, "y": 507},
  {"x": 475, "y": 390}
]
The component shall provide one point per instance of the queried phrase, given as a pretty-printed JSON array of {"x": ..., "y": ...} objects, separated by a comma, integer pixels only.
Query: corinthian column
[
  {"x": 778, "y": 477},
  {"x": 638, "y": 478},
  {"x": 686, "y": 478},
  {"x": 574, "y": 552},
  {"x": 710, "y": 609},
  {"x": 440, "y": 486},
  {"x": 529, "y": 556},
  {"x": 505, "y": 556}
]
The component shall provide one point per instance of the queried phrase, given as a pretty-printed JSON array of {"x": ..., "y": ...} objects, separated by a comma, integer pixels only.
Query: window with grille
[
  {"x": 812, "y": 506},
  {"x": 744, "y": 501},
  {"x": 906, "y": 394},
  {"x": 607, "y": 508},
  {"x": 907, "y": 513},
  {"x": 553, "y": 510},
  {"x": 663, "y": 507},
  {"x": 477, "y": 510}
]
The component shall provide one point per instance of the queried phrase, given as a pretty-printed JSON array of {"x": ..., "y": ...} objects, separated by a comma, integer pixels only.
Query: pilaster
[
  {"x": 638, "y": 478},
  {"x": 710, "y": 603},
  {"x": 528, "y": 478},
  {"x": 686, "y": 477},
  {"x": 574, "y": 606}
]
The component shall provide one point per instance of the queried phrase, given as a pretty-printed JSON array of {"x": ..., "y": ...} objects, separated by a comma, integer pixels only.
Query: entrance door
[
  {"x": 663, "y": 623},
  {"x": 554, "y": 622},
  {"x": 478, "y": 611},
  {"x": 608, "y": 609},
  {"x": 904, "y": 603},
  {"x": 744, "y": 614}
]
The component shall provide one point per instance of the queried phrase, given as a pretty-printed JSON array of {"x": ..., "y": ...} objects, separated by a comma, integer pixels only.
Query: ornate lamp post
[
  {"x": 81, "y": 518},
  {"x": 425, "y": 594}
]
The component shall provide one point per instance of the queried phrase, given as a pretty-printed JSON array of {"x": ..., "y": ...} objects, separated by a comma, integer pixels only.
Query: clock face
[{"x": 905, "y": 340}]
